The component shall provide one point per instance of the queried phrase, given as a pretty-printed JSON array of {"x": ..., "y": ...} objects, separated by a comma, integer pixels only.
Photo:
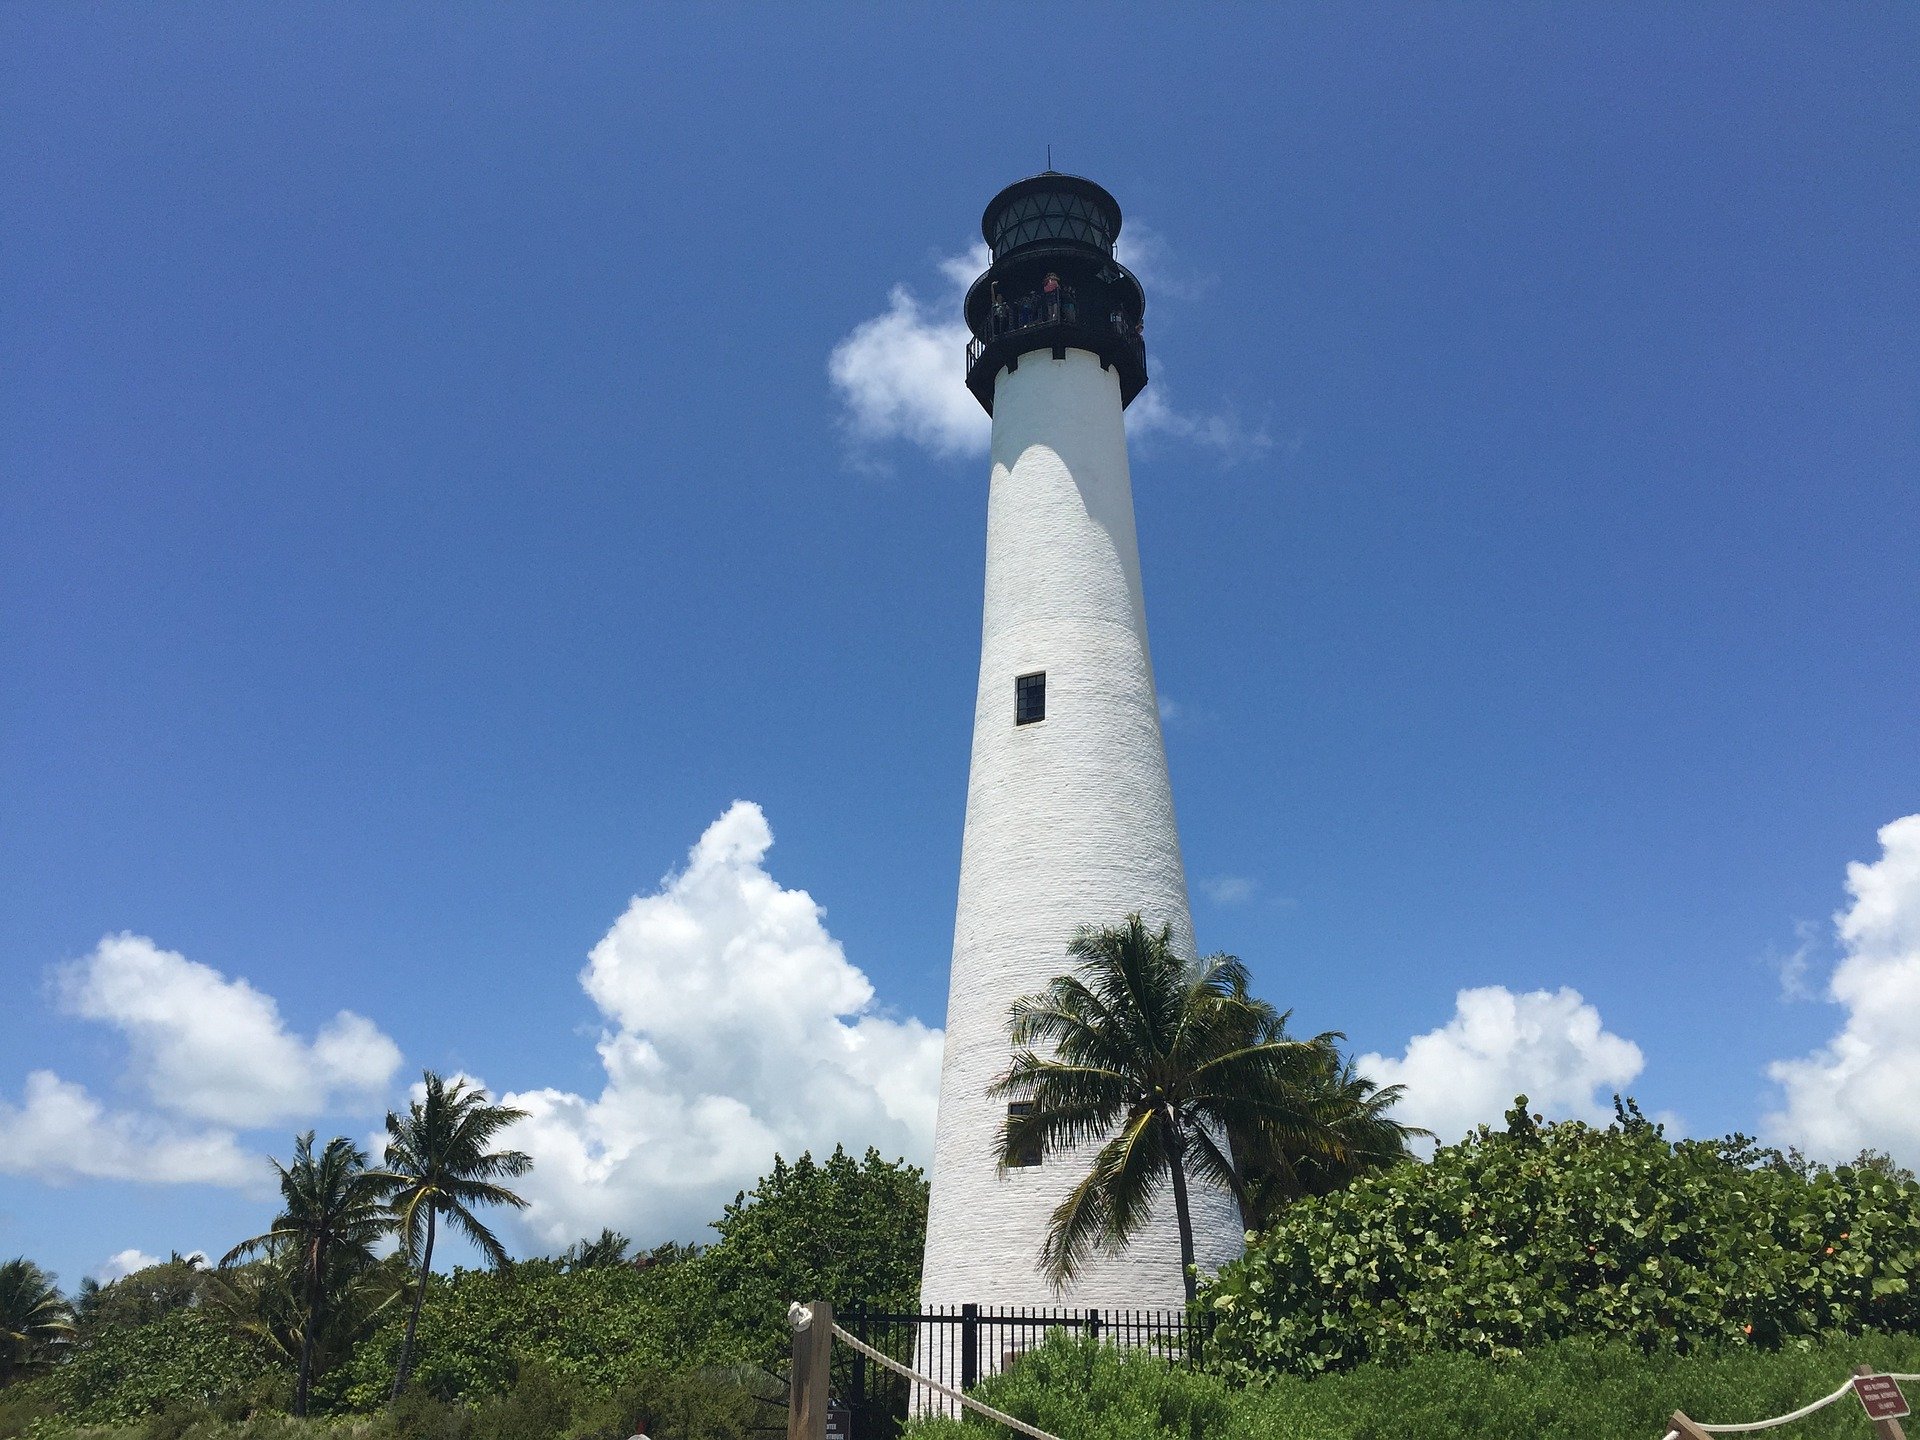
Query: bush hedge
[
  {"x": 1510, "y": 1241},
  {"x": 1572, "y": 1390}
]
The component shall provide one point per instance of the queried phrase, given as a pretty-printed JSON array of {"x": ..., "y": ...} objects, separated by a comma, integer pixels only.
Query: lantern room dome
[{"x": 1047, "y": 209}]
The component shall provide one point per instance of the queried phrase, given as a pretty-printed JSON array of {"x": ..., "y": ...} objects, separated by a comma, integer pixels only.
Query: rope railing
[
  {"x": 1685, "y": 1427},
  {"x": 801, "y": 1317}
]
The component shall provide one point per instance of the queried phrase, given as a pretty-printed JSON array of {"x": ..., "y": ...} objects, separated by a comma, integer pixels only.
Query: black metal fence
[{"x": 960, "y": 1346}]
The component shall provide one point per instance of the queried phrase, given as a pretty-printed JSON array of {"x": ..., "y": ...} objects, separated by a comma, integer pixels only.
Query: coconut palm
[
  {"x": 333, "y": 1215},
  {"x": 35, "y": 1319},
  {"x": 437, "y": 1153},
  {"x": 1157, "y": 1059},
  {"x": 1355, "y": 1135}
]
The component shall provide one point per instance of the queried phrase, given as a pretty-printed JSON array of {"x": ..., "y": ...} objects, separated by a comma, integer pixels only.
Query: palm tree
[
  {"x": 1356, "y": 1135},
  {"x": 333, "y": 1214},
  {"x": 437, "y": 1153},
  {"x": 35, "y": 1319},
  {"x": 1159, "y": 1059}
]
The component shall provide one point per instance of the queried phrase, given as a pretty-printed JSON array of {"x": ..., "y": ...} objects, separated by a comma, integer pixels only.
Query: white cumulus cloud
[
  {"x": 122, "y": 1264},
  {"x": 901, "y": 375},
  {"x": 1548, "y": 1045},
  {"x": 60, "y": 1133},
  {"x": 735, "y": 1027},
  {"x": 216, "y": 1049},
  {"x": 1862, "y": 1089}
]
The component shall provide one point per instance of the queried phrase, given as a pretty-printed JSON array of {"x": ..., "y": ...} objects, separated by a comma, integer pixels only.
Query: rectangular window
[
  {"x": 1030, "y": 698},
  {"x": 1027, "y": 1155}
]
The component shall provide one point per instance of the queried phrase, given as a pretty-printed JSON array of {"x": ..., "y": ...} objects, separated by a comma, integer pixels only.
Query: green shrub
[
  {"x": 22, "y": 1404},
  {"x": 185, "y": 1361},
  {"x": 845, "y": 1231},
  {"x": 1506, "y": 1242},
  {"x": 599, "y": 1328},
  {"x": 1574, "y": 1390}
]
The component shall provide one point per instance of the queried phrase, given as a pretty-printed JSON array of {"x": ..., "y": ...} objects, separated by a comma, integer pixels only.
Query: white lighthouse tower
[{"x": 1069, "y": 810}]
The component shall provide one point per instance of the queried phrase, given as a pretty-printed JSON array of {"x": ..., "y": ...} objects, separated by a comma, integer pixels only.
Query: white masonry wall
[{"x": 1069, "y": 822}]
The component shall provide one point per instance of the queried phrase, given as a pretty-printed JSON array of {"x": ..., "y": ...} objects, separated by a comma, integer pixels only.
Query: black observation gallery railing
[
  {"x": 1040, "y": 311},
  {"x": 962, "y": 1345}
]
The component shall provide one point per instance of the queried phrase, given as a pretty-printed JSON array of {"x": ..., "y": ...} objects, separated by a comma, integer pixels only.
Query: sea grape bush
[{"x": 1511, "y": 1240}]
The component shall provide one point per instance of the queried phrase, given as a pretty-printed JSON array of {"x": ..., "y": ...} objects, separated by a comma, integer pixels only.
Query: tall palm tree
[
  {"x": 437, "y": 1152},
  {"x": 1158, "y": 1058},
  {"x": 35, "y": 1319},
  {"x": 333, "y": 1213}
]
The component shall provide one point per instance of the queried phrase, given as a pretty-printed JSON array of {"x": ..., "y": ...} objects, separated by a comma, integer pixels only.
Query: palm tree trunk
[
  {"x": 1176, "y": 1163},
  {"x": 301, "y": 1393},
  {"x": 413, "y": 1318}
]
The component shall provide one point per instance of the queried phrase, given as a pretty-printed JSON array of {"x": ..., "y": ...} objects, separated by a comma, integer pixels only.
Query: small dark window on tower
[
  {"x": 1030, "y": 698},
  {"x": 1028, "y": 1154}
]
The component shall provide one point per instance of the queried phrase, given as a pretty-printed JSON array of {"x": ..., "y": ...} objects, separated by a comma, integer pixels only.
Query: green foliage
[
  {"x": 265, "y": 1301},
  {"x": 190, "y": 1356},
  {"x": 836, "y": 1230},
  {"x": 184, "y": 1351},
  {"x": 600, "y": 1328},
  {"x": 610, "y": 1249},
  {"x": 1574, "y": 1390},
  {"x": 36, "y": 1323},
  {"x": 1354, "y": 1135},
  {"x": 1509, "y": 1241},
  {"x": 28, "y": 1405},
  {"x": 142, "y": 1296},
  {"x": 538, "y": 1405}
]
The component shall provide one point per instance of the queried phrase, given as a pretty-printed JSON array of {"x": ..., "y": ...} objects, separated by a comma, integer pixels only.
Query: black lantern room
[{"x": 1054, "y": 284}]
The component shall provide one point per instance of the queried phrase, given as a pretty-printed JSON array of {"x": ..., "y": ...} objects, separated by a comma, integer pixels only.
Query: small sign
[
  {"x": 1881, "y": 1395},
  {"x": 840, "y": 1421}
]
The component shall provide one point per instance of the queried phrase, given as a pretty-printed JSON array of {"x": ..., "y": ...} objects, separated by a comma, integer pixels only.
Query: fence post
[
  {"x": 1687, "y": 1428},
  {"x": 858, "y": 1399},
  {"x": 969, "y": 1345},
  {"x": 1093, "y": 1324},
  {"x": 1885, "y": 1429},
  {"x": 810, "y": 1386}
]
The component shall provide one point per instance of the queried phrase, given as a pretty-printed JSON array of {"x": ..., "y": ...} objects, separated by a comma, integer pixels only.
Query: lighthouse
[{"x": 1070, "y": 816}]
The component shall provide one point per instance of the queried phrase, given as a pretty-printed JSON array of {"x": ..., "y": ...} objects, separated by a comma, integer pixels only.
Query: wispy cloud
[
  {"x": 1229, "y": 889},
  {"x": 1145, "y": 251},
  {"x": 1232, "y": 440},
  {"x": 1796, "y": 965}
]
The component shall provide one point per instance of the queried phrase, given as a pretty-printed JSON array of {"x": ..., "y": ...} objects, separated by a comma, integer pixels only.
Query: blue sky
[{"x": 429, "y": 500}]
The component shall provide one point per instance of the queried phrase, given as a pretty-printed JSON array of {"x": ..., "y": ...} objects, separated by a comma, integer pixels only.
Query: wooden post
[
  {"x": 1885, "y": 1429},
  {"x": 808, "y": 1390},
  {"x": 1689, "y": 1430}
]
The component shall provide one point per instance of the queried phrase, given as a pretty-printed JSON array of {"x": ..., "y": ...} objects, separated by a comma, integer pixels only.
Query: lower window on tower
[
  {"x": 1030, "y": 698},
  {"x": 1028, "y": 1154}
]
